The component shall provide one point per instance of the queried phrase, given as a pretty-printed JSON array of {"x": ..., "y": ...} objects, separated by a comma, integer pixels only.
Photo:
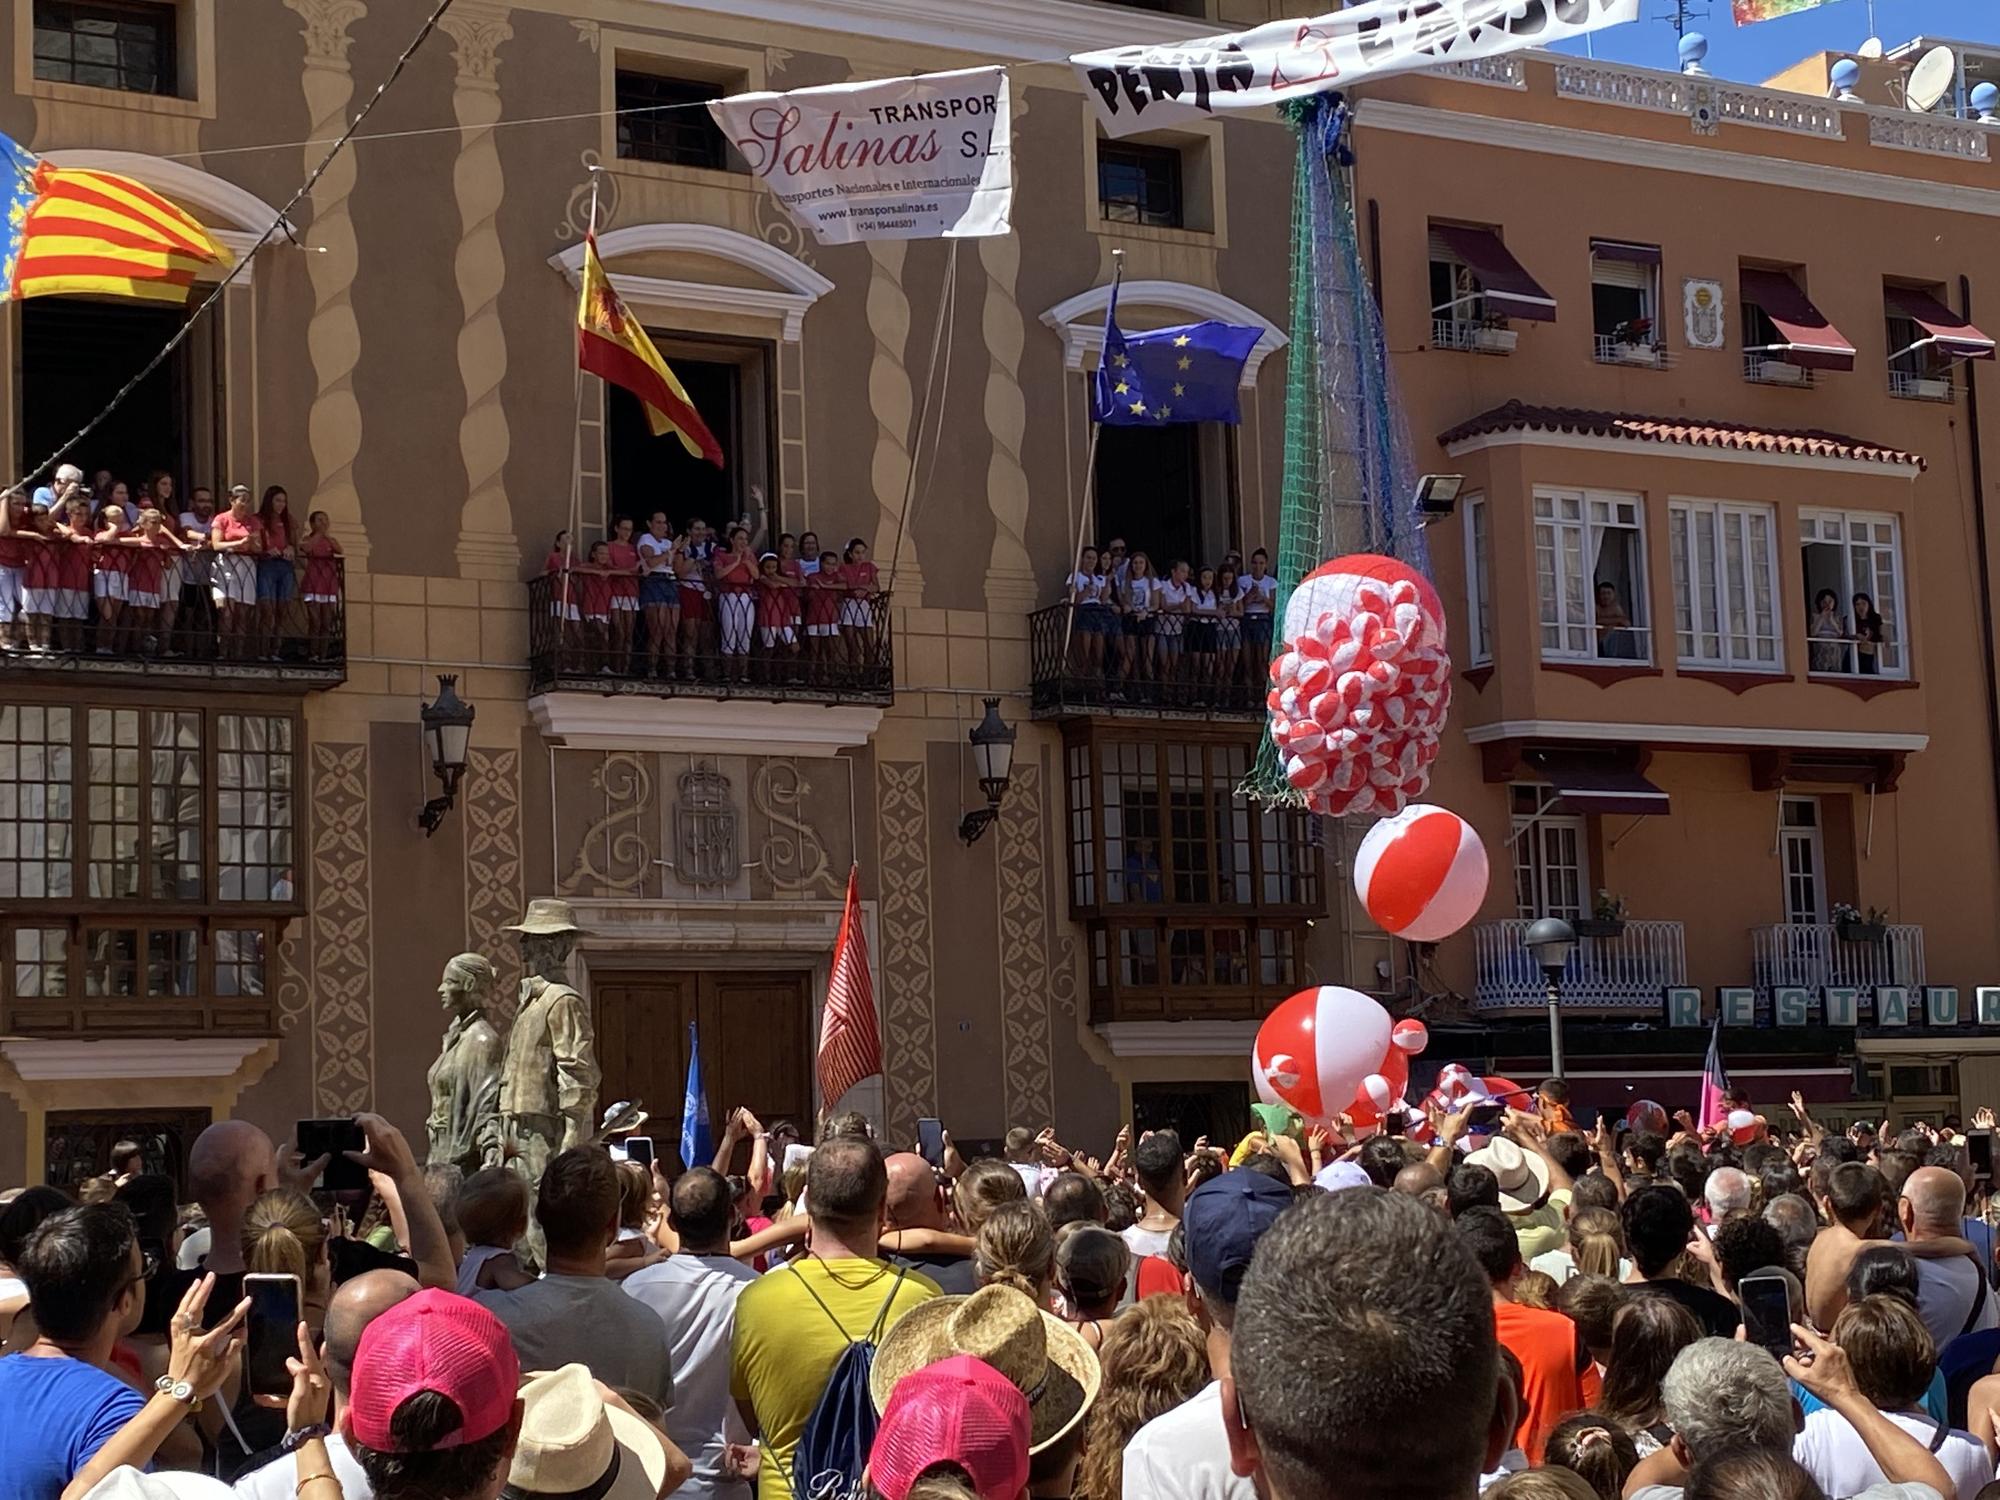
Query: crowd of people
[
  {"x": 104, "y": 568},
  {"x": 1140, "y": 631},
  {"x": 696, "y": 606},
  {"x": 1516, "y": 1309}
]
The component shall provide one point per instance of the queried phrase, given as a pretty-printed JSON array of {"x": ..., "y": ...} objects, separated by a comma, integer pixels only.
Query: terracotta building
[{"x": 1696, "y": 342}]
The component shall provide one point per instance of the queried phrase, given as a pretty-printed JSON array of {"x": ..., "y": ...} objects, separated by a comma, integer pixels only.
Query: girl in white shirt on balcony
[
  {"x": 1176, "y": 600},
  {"x": 1089, "y": 617},
  {"x": 1139, "y": 595}
]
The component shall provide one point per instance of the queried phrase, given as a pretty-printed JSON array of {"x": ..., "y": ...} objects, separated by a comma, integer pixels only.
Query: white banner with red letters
[
  {"x": 1143, "y": 88},
  {"x": 925, "y": 157}
]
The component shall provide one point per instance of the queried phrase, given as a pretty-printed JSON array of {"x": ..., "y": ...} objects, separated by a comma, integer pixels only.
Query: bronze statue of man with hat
[{"x": 548, "y": 1084}]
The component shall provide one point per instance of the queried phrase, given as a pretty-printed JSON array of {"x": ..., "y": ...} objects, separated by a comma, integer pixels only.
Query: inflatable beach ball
[
  {"x": 1313, "y": 1051},
  {"x": 1421, "y": 874}
]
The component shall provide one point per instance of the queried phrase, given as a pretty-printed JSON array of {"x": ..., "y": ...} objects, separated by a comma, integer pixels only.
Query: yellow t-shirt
[{"x": 784, "y": 1346}]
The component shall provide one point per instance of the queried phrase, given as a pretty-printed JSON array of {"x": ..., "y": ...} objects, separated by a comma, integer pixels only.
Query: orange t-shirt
[{"x": 1546, "y": 1345}]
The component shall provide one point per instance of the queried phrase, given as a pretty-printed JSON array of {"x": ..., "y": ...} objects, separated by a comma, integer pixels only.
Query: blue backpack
[{"x": 833, "y": 1449}]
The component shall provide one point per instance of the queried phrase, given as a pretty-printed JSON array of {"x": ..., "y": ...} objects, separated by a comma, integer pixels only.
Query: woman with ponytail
[
  {"x": 1015, "y": 1248},
  {"x": 1596, "y": 1449},
  {"x": 283, "y": 1235},
  {"x": 1091, "y": 1267},
  {"x": 1595, "y": 1247}
]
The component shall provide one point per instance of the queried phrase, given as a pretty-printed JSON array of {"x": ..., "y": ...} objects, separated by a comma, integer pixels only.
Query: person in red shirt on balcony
[
  {"x": 823, "y": 594},
  {"x": 32, "y": 532},
  {"x": 857, "y": 611},
  {"x": 73, "y": 574},
  {"x": 624, "y": 569},
  {"x": 276, "y": 582},
  {"x": 107, "y": 578},
  {"x": 17, "y": 543},
  {"x": 150, "y": 600},
  {"x": 736, "y": 602},
  {"x": 776, "y": 600},
  {"x": 591, "y": 583},
  {"x": 236, "y": 537},
  {"x": 322, "y": 584}
]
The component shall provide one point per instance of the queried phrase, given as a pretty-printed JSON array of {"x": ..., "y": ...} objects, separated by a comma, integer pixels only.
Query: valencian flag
[
  {"x": 74, "y": 230},
  {"x": 850, "y": 1047},
  {"x": 1185, "y": 374},
  {"x": 1714, "y": 1081},
  {"x": 611, "y": 345}
]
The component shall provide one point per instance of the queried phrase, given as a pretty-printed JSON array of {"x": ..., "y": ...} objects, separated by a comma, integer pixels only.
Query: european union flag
[
  {"x": 697, "y": 1144},
  {"x": 1185, "y": 374}
]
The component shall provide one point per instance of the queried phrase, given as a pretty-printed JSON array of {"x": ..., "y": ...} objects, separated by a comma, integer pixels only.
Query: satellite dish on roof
[
  {"x": 1930, "y": 78},
  {"x": 1871, "y": 49}
]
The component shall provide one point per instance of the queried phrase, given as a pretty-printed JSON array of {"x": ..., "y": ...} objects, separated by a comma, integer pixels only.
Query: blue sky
[{"x": 1751, "y": 53}]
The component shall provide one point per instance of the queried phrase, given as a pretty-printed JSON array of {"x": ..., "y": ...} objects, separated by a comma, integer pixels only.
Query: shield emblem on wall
[{"x": 705, "y": 833}]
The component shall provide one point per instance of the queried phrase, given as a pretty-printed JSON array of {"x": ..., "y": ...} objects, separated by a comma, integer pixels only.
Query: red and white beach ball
[
  {"x": 1313, "y": 1051},
  {"x": 1743, "y": 1126},
  {"x": 1421, "y": 874},
  {"x": 1385, "y": 1089}
]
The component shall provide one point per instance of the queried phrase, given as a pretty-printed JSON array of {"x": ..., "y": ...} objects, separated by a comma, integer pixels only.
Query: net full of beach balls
[
  {"x": 1313, "y": 1050},
  {"x": 1421, "y": 874}
]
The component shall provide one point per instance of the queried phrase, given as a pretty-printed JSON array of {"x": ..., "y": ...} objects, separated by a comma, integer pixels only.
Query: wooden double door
[{"x": 756, "y": 1046}]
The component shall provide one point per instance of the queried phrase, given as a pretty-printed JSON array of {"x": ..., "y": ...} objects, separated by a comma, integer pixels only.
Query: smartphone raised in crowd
[
  {"x": 930, "y": 1140},
  {"x": 333, "y": 1139},
  {"x": 1767, "y": 1312},
  {"x": 1979, "y": 1146},
  {"x": 272, "y": 1331},
  {"x": 639, "y": 1148}
]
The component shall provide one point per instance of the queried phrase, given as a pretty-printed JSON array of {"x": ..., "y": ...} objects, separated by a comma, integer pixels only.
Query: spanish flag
[
  {"x": 79, "y": 231},
  {"x": 610, "y": 344}
]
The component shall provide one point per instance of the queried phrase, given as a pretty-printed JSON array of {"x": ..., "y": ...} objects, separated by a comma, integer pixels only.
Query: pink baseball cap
[
  {"x": 433, "y": 1341},
  {"x": 959, "y": 1410}
]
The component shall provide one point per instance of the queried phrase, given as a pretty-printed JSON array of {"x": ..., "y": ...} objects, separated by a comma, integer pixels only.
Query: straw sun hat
[{"x": 1042, "y": 1355}]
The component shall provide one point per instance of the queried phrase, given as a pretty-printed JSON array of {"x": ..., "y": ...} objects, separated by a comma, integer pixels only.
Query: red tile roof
[{"x": 1517, "y": 416}]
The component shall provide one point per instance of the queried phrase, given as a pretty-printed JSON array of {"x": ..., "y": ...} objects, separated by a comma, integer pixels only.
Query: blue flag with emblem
[
  {"x": 697, "y": 1143},
  {"x": 1190, "y": 373}
]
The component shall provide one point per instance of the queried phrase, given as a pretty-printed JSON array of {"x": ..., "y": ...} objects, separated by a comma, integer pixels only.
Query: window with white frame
[
  {"x": 1479, "y": 577},
  {"x": 1852, "y": 563},
  {"x": 1725, "y": 569},
  {"x": 1805, "y": 860},
  {"x": 1590, "y": 574},
  {"x": 1551, "y": 868}
]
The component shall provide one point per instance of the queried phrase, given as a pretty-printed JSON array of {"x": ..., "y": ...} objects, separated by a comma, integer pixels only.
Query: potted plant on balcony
[
  {"x": 1851, "y": 925},
  {"x": 1632, "y": 342},
  {"x": 1493, "y": 336},
  {"x": 1606, "y": 919}
]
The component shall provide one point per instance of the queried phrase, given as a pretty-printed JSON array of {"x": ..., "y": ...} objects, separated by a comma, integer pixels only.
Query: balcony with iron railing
[
  {"x": 1761, "y": 369},
  {"x": 1821, "y": 955},
  {"x": 204, "y": 619},
  {"x": 1641, "y": 353},
  {"x": 1628, "y": 971},
  {"x": 1082, "y": 663},
  {"x": 1474, "y": 337},
  {"x": 725, "y": 655}
]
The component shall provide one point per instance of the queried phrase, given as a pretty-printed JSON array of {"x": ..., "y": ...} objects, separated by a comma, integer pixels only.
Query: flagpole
[
  {"x": 576, "y": 444},
  {"x": 1089, "y": 485}
]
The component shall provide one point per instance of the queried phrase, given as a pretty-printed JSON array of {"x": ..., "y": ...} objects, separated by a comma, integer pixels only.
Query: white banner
[
  {"x": 895, "y": 159},
  {"x": 1141, "y": 88}
]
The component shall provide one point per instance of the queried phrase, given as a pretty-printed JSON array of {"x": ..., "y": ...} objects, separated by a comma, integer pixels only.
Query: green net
[{"x": 1349, "y": 482}]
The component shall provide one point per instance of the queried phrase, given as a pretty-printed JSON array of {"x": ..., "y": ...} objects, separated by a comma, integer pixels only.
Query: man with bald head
[
  {"x": 1953, "y": 1296},
  {"x": 917, "y": 1201},
  {"x": 231, "y": 1162},
  {"x": 355, "y": 1305},
  {"x": 1418, "y": 1178}
]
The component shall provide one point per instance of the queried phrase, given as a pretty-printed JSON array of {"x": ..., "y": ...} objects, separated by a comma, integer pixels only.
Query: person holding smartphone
[{"x": 64, "y": 1423}]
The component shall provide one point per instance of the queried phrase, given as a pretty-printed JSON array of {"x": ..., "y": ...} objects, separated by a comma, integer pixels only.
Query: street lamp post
[
  {"x": 1551, "y": 940},
  {"x": 992, "y": 740}
]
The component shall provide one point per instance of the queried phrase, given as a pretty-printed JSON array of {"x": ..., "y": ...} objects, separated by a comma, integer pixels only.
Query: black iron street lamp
[
  {"x": 447, "y": 721},
  {"x": 1551, "y": 941},
  {"x": 993, "y": 753}
]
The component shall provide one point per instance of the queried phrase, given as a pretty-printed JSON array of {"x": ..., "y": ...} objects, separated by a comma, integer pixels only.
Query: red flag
[
  {"x": 850, "y": 1048},
  {"x": 1714, "y": 1081}
]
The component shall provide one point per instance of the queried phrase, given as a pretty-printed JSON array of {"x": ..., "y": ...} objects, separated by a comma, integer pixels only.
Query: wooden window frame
[
  {"x": 696, "y": 90},
  {"x": 77, "y": 1013},
  {"x": 148, "y": 903},
  {"x": 1087, "y": 748}
]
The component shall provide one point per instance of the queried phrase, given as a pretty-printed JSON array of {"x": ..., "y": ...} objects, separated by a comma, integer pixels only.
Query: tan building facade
[{"x": 402, "y": 358}]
